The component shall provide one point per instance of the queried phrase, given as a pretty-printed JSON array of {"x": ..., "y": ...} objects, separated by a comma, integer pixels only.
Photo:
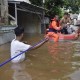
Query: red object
[
  {"x": 72, "y": 36},
  {"x": 50, "y": 26}
]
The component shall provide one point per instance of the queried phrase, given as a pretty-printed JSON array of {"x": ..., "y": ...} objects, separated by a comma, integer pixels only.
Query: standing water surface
[{"x": 51, "y": 61}]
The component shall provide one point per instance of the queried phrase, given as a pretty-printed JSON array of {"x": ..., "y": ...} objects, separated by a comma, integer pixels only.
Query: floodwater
[{"x": 51, "y": 61}]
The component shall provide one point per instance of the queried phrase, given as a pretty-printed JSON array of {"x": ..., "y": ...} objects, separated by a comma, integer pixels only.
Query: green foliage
[
  {"x": 52, "y": 3},
  {"x": 37, "y": 2},
  {"x": 54, "y": 6},
  {"x": 73, "y": 5},
  {"x": 54, "y": 11}
]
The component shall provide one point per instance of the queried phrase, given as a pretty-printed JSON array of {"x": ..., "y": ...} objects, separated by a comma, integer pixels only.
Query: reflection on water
[{"x": 52, "y": 61}]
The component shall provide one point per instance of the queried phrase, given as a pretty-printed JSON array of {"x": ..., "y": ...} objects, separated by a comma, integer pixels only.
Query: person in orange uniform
[{"x": 54, "y": 28}]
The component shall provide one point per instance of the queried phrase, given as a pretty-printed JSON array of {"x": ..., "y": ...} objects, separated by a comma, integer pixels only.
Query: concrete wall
[
  {"x": 6, "y": 34},
  {"x": 6, "y": 37},
  {"x": 31, "y": 22}
]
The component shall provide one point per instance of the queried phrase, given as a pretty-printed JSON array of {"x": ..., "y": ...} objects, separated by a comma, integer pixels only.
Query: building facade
[{"x": 23, "y": 14}]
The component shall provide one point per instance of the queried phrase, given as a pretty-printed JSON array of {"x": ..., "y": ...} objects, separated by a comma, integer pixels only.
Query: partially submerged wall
[
  {"x": 6, "y": 37},
  {"x": 6, "y": 34}
]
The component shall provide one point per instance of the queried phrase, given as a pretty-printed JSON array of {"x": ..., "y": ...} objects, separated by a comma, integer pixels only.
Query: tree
[
  {"x": 4, "y": 10},
  {"x": 73, "y": 5},
  {"x": 54, "y": 7},
  {"x": 37, "y": 2}
]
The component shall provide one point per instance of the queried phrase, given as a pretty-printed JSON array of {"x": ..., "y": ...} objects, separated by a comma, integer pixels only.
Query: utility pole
[
  {"x": 4, "y": 11},
  {"x": 43, "y": 28},
  {"x": 43, "y": 13},
  {"x": 43, "y": 1}
]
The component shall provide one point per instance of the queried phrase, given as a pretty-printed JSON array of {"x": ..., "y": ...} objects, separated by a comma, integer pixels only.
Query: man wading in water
[{"x": 17, "y": 46}]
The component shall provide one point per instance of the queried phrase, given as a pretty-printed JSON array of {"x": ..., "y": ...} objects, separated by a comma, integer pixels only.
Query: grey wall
[
  {"x": 6, "y": 37},
  {"x": 6, "y": 34},
  {"x": 31, "y": 22}
]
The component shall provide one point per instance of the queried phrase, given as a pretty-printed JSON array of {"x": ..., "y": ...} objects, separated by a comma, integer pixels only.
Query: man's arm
[
  {"x": 70, "y": 21},
  {"x": 40, "y": 44}
]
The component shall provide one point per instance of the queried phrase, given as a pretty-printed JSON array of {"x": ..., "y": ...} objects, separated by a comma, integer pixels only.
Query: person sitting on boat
[
  {"x": 65, "y": 23},
  {"x": 54, "y": 28}
]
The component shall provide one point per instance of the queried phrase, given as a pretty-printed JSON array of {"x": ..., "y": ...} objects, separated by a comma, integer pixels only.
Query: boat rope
[{"x": 7, "y": 61}]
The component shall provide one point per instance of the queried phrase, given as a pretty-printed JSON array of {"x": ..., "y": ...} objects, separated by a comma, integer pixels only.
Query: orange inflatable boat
[{"x": 63, "y": 37}]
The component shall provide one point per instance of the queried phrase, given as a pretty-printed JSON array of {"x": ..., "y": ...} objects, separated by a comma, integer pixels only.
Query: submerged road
[{"x": 51, "y": 61}]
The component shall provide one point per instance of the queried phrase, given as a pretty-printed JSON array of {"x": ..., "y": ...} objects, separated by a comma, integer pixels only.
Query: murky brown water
[{"x": 59, "y": 61}]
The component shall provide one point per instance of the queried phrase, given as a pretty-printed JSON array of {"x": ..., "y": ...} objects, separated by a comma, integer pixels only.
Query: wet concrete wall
[
  {"x": 6, "y": 37},
  {"x": 31, "y": 22},
  {"x": 6, "y": 34}
]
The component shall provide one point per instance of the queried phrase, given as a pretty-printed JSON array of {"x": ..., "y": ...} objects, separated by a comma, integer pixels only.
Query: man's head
[
  {"x": 19, "y": 31},
  {"x": 66, "y": 15},
  {"x": 69, "y": 16}
]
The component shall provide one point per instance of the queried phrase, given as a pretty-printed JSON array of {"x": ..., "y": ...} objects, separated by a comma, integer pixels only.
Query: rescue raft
[{"x": 62, "y": 37}]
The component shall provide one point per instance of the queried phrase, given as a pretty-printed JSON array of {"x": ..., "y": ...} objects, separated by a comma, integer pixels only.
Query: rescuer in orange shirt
[{"x": 54, "y": 28}]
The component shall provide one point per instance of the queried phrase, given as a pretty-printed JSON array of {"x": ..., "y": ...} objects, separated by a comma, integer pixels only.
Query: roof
[
  {"x": 26, "y": 7},
  {"x": 22, "y": 2}
]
